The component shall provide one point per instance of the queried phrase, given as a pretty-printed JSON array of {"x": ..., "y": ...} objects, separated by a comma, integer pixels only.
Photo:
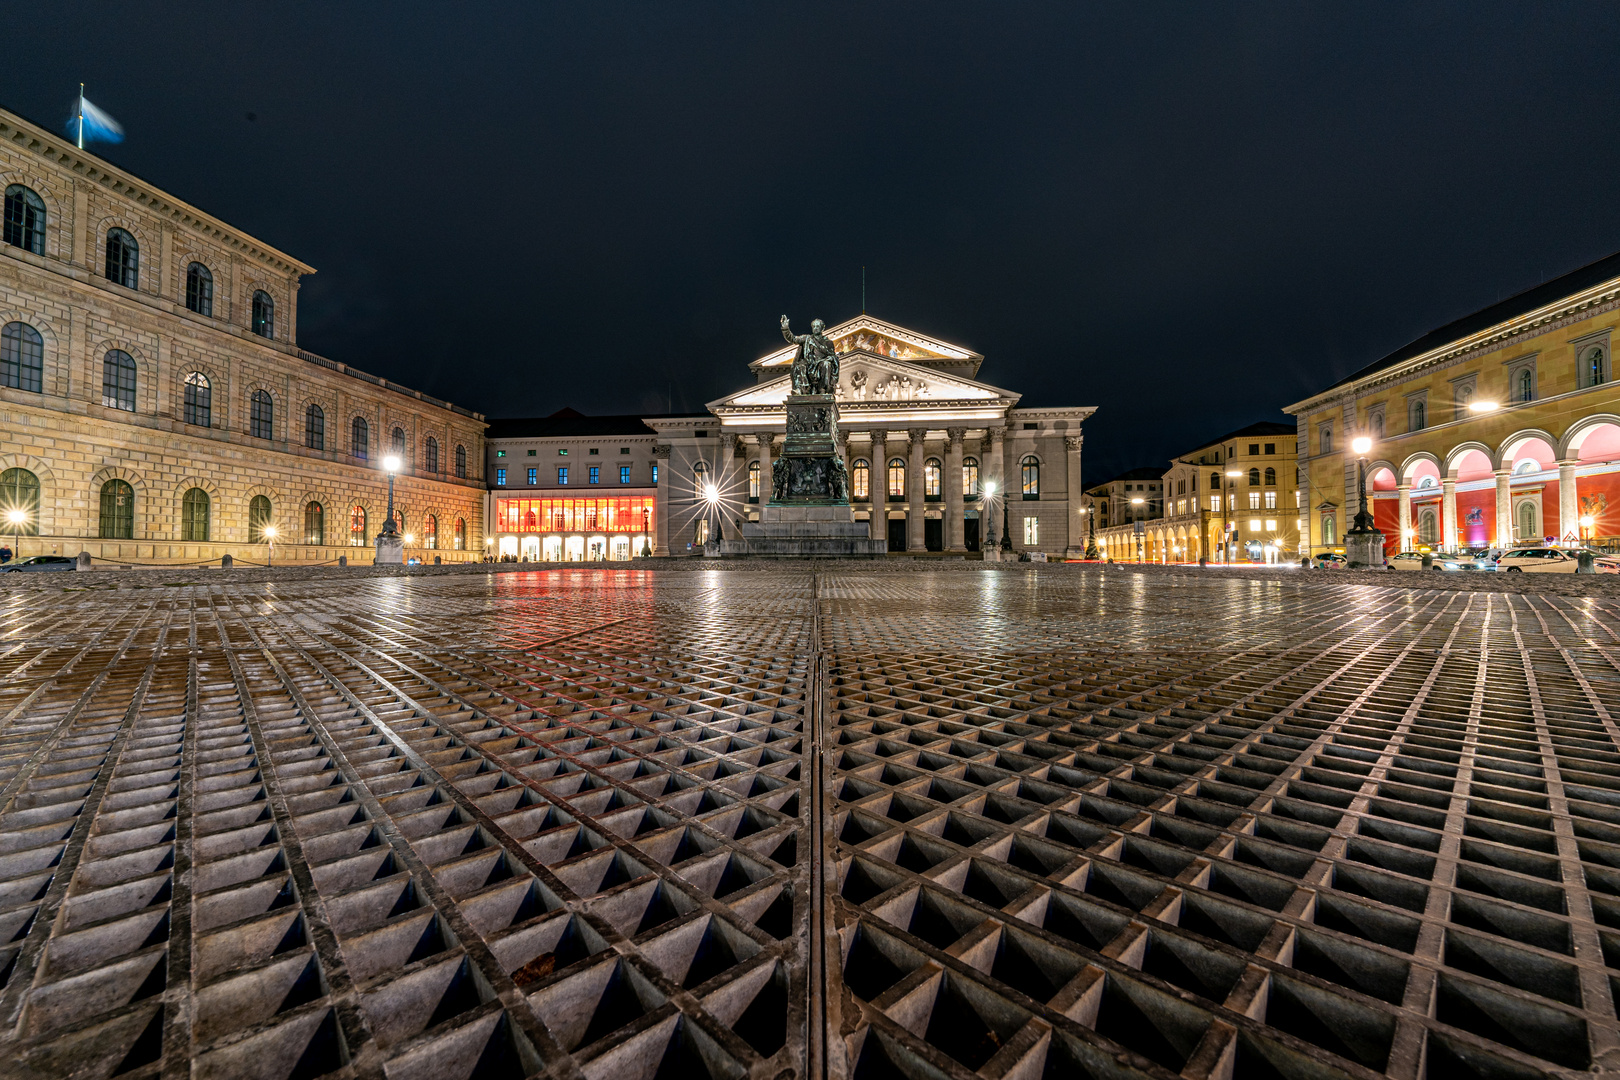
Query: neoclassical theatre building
[
  {"x": 157, "y": 407},
  {"x": 935, "y": 457}
]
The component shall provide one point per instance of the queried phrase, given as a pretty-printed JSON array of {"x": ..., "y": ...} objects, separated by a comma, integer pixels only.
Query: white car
[
  {"x": 1441, "y": 560},
  {"x": 1548, "y": 560}
]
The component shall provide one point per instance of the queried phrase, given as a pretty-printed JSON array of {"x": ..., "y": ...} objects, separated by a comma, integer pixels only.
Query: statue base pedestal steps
[{"x": 805, "y": 531}]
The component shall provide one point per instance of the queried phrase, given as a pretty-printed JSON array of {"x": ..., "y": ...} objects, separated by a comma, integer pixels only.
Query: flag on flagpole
[{"x": 89, "y": 123}]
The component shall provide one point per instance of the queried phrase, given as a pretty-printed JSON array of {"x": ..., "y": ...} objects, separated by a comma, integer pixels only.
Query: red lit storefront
[{"x": 574, "y": 528}]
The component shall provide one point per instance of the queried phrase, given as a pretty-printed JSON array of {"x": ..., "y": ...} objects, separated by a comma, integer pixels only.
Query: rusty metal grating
[{"x": 623, "y": 825}]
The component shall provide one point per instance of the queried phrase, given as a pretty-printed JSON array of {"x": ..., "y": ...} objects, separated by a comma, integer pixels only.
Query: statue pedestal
[
  {"x": 390, "y": 549},
  {"x": 1365, "y": 549}
]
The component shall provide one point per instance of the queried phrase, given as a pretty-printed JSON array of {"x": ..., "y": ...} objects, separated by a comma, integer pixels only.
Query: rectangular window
[
  {"x": 531, "y": 453},
  {"x": 1032, "y": 531},
  {"x": 500, "y": 453},
  {"x": 655, "y": 472},
  {"x": 1271, "y": 525},
  {"x": 624, "y": 474},
  {"x": 596, "y": 472},
  {"x": 592, "y": 450},
  {"x": 1271, "y": 448},
  {"x": 1254, "y": 449},
  {"x": 534, "y": 477},
  {"x": 624, "y": 449},
  {"x": 1215, "y": 504},
  {"x": 1254, "y": 524},
  {"x": 1254, "y": 500},
  {"x": 1271, "y": 500},
  {"x": 562, "y": 475},
  {"x": 562, "y": 453},
  {"x": 500, "y": 477}
]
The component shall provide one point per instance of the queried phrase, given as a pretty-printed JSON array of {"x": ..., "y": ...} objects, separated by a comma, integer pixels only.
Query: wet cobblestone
[{"x": 948, "y": 821}]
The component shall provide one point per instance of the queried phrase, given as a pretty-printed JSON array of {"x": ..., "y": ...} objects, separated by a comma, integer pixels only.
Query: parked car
[
  {"x": 1550, "y": 560},
  {"x": 1329, "y": 560},
  {"x": 37, "y": 563},
  {"x": 1442, "y": 560}
]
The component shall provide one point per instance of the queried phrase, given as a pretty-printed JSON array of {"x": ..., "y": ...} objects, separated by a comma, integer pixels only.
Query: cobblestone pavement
[{"x": 620, "y": 824}]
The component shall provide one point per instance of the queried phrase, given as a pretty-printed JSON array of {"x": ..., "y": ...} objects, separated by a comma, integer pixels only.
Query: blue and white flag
[{"x": 90, "y": 124}]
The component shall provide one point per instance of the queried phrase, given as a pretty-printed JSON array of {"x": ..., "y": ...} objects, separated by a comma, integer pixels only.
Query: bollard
[
  {"x": 435, "y": 560},
  {"x": 225, "y": 562},
  {"x": 1305, "y": 563},
  {"x": 83, "y": 561},
  {"x": 1428, "y": 561},
  {"x": 1585, "y": 563},
  {"x": 343, "y": 560}
]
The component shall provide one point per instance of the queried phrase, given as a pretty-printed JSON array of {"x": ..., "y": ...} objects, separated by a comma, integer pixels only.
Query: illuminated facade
[
  {"x": 932, "y": 454},
  {"x": 1502, "y": 427}
]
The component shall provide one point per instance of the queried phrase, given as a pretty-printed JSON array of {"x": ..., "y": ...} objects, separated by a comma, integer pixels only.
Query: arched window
[
  {"x": 1428, "y": 527},
  {"x": 753, "y": 481},
  {"x": 1529, "y": 521},
  {"x": 194, "y": 516},
  {"x": 1593, "y": 370},
  {"x": 897, "y": 478},
  {"x": 22, "y": 357},
  {"x": 860, "y": 480},
  {"x": 461, "y": 535},
  {"x": 258, "y": 518},
  {"x": 1032, "y": 477},
  {"x": 25, "y": 219},
  {"x": 1420, "y": 416},
  {"x": 19, "y": 490},
  {"x": 1214, "y": 481},
  {"x": 199, "y": 400},
  {"x": 360, "y": 438},
  {"x": 430, "y": 531},
  {"x": 1526, "y": 465},
  {"x": 1254, "y": 477},
  {"x": 1378, "y": 426},
  {"x": 431, "y": 454},
  {"x": 461, "y": 462},
  {"x": 399, "y": 520},
  {"x": 970, "y": 478},
  {"x": 933, "y": 470},
  {"x": 357, "y": 526},
  {"x": 1330, "y": 530},
  {"x": 117, "y": 510},
  {"x": 1427, "y": 482},
  {"x": 1527, "y": 386},
  {"x": 314, "y": 523},
  {"x": 262, "y": 423},
  {"x": 1271, "y": 477},
  {"x": 123, "y": 259},
  {"x": 315, "y": 427},
  {"x": 397, "y": 445},
  {"x": 264, "y": 314},
  {"x": 200, "y": 289},
  {"x": 118, "y": 380},
  {"x": 700, "y": 480}
]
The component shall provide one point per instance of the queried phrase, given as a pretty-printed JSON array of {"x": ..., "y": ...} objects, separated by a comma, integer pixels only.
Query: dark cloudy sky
[{"x": 1186, "y": 215}]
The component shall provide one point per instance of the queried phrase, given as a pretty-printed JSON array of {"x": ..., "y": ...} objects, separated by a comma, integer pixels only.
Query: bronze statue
[{"x": 815, "y": 367}]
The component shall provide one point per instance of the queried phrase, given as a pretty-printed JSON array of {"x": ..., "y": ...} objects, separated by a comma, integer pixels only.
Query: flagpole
[{"x": 81, "y": 116}]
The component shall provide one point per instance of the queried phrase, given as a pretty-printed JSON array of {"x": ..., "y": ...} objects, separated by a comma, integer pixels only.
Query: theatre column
[
  {"x": 878, "y": 485},
  {"x": 1405, "y": 493},
  {"x": 955, "y": 536},
  {"x": 763, "y": 440},
  {"x": 1569, "y": 525},
  {"x": 1075, "y": 521},
  {"x": 1448, "y": 513},
  {"x": 914, "y": 492},
  {"x": 998, "y": 473},
  {"x": 1504, "y": 508},
  {"x": 661, "y": 453}
]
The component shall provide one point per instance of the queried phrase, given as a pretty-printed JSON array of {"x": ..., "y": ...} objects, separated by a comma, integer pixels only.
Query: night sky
[{"x": 1185, "y": 215}]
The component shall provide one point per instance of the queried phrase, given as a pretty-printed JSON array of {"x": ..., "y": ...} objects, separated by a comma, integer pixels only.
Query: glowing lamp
[
  {"x": 1137, "y": 501},
  {"x": 269, "y": 532},
  {"x": 391, "y": 463},
  {"x": 1233, "y": 472},
  {"x": 989, "y": 487},
  {"x": 1483, "y": 406},
  {"x": 16, "y": 517},
  {"x": 1588, "y": 521},
  {"x": 711, "y": 493},
  {"x": 409, "y": 539},
  {"x": 1361, "y": 445}
]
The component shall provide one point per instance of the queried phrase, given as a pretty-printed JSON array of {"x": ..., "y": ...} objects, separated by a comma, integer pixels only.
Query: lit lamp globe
[
  {"x": 391, "y": 463},
  {"x": 1364, "y": 544},
  {"x": 1361, "y": 445}
]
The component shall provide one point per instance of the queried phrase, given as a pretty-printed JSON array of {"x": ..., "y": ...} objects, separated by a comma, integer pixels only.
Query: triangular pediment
[
  {"x": 868, "y": 381},
  {"x": 878, "y": 338}
]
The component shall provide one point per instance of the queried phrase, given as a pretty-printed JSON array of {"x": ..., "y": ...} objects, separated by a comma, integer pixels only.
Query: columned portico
[
  {"x": 880, "y": 485},
  {"x": 954, "y": 532},
  {"x": 914, "y": 491},
  {"x": 763, "y": 440}
]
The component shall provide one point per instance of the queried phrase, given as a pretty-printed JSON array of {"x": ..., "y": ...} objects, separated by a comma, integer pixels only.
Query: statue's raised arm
[{"x": 791, "y": 340}]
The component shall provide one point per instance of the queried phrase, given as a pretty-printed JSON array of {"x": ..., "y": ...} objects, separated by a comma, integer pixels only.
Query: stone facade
[{"x": 76, "y": 426}]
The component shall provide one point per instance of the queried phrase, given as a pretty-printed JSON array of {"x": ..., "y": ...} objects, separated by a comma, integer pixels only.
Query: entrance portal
[
  {"x": 897, "y": 534},
  {"x": 970, "y": 534},
  {"x": 934, "y": 534}
]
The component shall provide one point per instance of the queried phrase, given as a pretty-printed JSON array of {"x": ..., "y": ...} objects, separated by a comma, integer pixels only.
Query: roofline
[
  {"x": 894, "y": 330},
  {"x": 21, "y": 131}
]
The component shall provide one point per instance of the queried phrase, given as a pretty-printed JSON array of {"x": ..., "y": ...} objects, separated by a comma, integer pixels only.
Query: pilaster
[
  {"x": 955, "y": 533},
  {"x": 879, "y": 485},
  {"x": 914, "y": 491},
  {"x": 661, "y": 456}
]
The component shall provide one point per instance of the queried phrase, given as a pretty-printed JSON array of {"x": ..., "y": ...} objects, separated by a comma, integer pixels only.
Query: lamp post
[
  {"x": 1364, "y": 544},
  {"x": 1141, "y": 556},
  {"x": 990, "y": 517},
  {"x": 646, "y": 533},
  {"x": 1228, "y": 541},
  {"x": 269, "y": 545},
  {"x": 17, "y": 518},
  {"x": 1006, "y": 529},
  {"x": 390, "y": 545},
  {"x": 1587, "y": 521},
  {"x": 711, "y": 499},
  {"x": 391, "y": 464}
]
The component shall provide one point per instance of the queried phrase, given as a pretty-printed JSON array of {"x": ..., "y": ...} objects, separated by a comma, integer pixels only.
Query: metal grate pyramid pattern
[{"x": 627, "y": 824}]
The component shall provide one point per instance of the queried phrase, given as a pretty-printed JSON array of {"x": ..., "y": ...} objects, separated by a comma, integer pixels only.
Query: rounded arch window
[
  {"x": 118, "y": 380},
  {"x": 1592, "y": 368},
  {"x": 461, "y": 535},
  {"x": 1427, "y": 482},
  {"x": 430, "y": 531},
  {"x": 897, "y": 478},
  {"x": 932, "y": 470},
  {"x": 314, "y": 523},
  {"x": 1420, "y": 416},
  {"x": 753, "y": 481},
  {"x": 461, "y": 462},
  {"x": 1330, "y": 530},
  {"x": 397, "y": 442},
  {"x": 262, "y": 415},
  {"x": 117, "y": 510},
  {"x": 1526, "y": 465},
  {"x": 258, "y": 519},
  {"x": 1271, "y": 477},
  {"x": 360, "y": 438},
  {"x": 199, "y": 403},
  {"x": 357, "y": 526},
  {"x": 19, "y": 493},
  {"x": 1526, "y": 386},
  {"x": 264, "y": 314},
  {"x": 1529, "y": 521},
  {"x": 1214, "y": 481},
  {"x": 700, "y": 480},
  {"x": 200, "y": 289},
  {"x": 1031, "y": 468},
  {"x": 430, "y": 451},
  {"x": 25, "y": 219},
  {"x": 1254, "y": 477},
  {"x": 970, "y": 477},
  {"x": 194, "y": 513},
  {"x": 1428, "y": 529},
  {"x": 123, "y": 264},
  {"x": 860, "y": 479},
  {"x": 315, "y": 427},
  {"x": 22, "y": 358}
]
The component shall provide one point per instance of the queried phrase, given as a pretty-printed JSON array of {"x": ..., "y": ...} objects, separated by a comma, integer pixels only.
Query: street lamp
[
  {"x": 1229, "y": 541},
  {"x": 711, "y": 497},
  {"x": 270, "y": 545},
  {"x": 1481, "y": 407},
  {"x": 18, "y": 519},
  {"x": 391, "y": 464},
  {"x": 1006, "y": 529},
  {"x": 1137, "y": 522},
  {"x": 990, "y": 518},
  {"x": 646, "y": 530},
  {"x": 1361, "y": 446},
  {"x": 1587, "y": 521}
]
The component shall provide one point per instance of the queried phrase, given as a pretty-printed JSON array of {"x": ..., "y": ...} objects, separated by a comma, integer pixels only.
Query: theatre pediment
[
  {"x": 865, "y": 334},
  {"x": 870, "y": 384}
]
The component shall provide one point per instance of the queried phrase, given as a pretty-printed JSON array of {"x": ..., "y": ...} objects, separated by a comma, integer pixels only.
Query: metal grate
[{"x": 1043, "y": 823}]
